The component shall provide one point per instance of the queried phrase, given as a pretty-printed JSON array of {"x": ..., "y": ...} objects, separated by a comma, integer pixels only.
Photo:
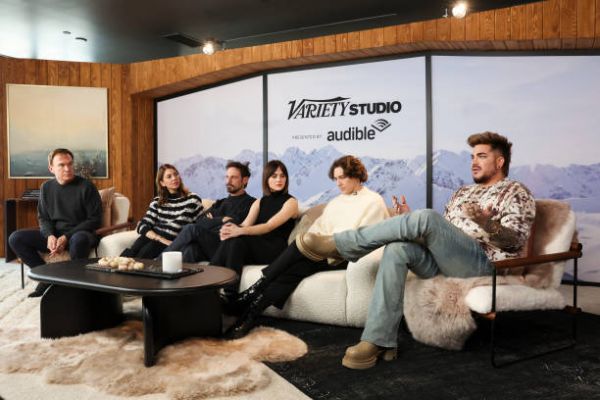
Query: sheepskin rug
[{"x": 111, "y": 360}]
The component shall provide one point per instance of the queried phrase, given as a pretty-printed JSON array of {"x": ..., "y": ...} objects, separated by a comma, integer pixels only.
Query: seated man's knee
[
  {"x": 15, "y": 239},
  {"x": 397, "y": 248},
  {"x": 427, "y": 215},
  {"x": 81, "y": 243},
  {"x": 21, "y": 239}
]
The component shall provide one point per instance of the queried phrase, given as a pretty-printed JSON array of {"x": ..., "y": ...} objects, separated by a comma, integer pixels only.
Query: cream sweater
[{"x": 351, "y": 211}]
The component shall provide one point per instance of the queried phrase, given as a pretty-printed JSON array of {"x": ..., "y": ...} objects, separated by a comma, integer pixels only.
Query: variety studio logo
[{"x": 339, "y": 107}]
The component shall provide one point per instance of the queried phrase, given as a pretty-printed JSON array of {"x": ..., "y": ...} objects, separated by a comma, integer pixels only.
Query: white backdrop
[
  {"x": 200, "y": 131},
  {"x": 375, "y": 111},
  {"x": 548, "y": 107}
]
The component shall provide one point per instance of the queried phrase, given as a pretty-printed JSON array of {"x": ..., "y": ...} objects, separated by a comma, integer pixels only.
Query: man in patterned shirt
[{"x": 489, "y": 220}]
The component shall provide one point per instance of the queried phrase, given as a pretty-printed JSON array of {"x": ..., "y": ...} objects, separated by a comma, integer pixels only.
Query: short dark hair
[
  {"x": 496, "y": 142},
  {"x": 58, "y": 151},
  {"x": 269, "y": 170},
  {"x": 352, "y": 167},
  {"x": 242, "y": 167}
]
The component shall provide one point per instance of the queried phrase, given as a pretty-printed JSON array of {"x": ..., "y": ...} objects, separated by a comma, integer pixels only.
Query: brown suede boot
[
  {"x": 317, "y": 247},
  {"x": 364, "y": 355}
]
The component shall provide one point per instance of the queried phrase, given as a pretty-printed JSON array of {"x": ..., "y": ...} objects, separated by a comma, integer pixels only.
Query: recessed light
[
  {"x": 460, "y": 9},
  {"x": 210, "y": 46},
  {"x": 67, "y": 32}
]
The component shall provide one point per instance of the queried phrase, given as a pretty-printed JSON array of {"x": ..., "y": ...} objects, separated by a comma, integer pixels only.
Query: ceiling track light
[{"x": 210, "y": 46}]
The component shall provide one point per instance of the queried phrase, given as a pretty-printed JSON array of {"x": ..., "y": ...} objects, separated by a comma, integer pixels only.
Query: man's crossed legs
[{"x": 422, "y": 241}]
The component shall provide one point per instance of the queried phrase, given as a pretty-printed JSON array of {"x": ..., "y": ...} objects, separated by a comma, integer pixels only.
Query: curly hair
[{"x": 352, "y": 167}]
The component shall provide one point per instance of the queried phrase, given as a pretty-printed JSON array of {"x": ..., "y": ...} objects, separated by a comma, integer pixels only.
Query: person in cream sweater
[{"x": 356, "y": 206}]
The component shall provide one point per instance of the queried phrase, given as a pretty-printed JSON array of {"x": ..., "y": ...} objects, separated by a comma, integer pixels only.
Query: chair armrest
[
  {"x": 113, "y": 245},
  {"x": 107, "y": 230},
  {"x": 575, "y": 251}
]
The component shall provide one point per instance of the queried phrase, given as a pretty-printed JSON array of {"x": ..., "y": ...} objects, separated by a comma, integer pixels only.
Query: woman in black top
[{"x": 264, "y": 233}]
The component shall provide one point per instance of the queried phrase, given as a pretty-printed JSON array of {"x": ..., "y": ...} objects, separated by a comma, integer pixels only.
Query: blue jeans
[
  {"x": 26, "y": 243},
  {"x": 422, "y": 241}
]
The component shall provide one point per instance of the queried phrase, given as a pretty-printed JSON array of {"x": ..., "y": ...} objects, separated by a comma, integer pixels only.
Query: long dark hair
[
  {"x": 163, "y": 192},
  {"x": 269, "y": 170}
]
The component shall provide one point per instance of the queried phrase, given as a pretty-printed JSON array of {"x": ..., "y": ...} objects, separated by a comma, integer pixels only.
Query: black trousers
[
  {"x": 196, "y": 243},
  {"x": 26, "y": 243},
  {"x": 236, "y": 252},
  {"x": 287, "y": 271},
  {"x": 144, "y": 248}
]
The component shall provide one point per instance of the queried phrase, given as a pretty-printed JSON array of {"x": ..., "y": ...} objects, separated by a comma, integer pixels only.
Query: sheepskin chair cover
[{"x": 438, "y": 310}]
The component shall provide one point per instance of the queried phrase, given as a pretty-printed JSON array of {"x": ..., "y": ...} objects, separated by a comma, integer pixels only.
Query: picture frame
[{"x": 42, "y": 118}]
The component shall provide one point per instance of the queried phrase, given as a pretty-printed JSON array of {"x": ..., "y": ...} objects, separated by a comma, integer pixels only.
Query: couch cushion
[
  {"x": 106, "y": 195},
  {"x": 319, "y": 298},
  {"x": 514, "y": 298},
  {"x": 306, "y": 220},
  {"x": 119, "y": 209}
]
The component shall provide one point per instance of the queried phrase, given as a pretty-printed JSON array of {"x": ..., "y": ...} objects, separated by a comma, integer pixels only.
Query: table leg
[
  {"x": 10, "y": 225},
  {"x": 69, "y": 311},
  {"x": 168, "y": 319}
]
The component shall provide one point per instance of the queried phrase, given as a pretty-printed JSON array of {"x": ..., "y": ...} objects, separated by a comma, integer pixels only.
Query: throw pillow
[
  {"x": 306, "y": 220},
  {"x": 106, "y": 195}
]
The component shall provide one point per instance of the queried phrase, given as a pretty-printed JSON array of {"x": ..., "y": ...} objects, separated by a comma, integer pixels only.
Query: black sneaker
[{"x": 40, "y": 289}]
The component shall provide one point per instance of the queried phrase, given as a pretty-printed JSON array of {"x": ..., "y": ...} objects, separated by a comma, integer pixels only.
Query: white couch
[
  {"x": 342, "y": 297},
  {"x": 338, "y": 297}
]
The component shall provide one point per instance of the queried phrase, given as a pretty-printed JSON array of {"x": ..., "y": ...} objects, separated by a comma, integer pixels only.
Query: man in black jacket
[
  {"x": 199, "y": 241},
  {"x": 69, "y": 212}
]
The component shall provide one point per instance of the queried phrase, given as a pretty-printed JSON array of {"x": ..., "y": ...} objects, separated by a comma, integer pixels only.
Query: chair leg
[
  {"x": 572, "y": 310},
  {"x": 22, "y": 276},
  {"x": 569, "y": 345}
]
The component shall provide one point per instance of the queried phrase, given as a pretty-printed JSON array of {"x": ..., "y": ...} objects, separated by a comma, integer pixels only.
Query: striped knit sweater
[{"x": 168, "y": 219}]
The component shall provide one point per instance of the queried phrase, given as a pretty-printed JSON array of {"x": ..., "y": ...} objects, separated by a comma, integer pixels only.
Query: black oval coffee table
[{"x": 82, "y": 300}]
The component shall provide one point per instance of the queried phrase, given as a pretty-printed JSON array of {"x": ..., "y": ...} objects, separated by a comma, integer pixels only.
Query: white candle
[{"x": 171, "y": 261}]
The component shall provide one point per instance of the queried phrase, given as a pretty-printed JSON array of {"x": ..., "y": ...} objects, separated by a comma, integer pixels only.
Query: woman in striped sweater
[{"x": 173, "y": 208}]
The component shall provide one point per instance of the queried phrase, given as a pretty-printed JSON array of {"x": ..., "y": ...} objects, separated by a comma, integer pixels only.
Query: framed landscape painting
[{"x": 42, "y": 118}]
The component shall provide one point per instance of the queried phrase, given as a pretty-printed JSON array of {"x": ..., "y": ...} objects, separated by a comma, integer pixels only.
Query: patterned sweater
[
  {"x": 513, "y": 207},
  {"x": 168, "y": 219}
]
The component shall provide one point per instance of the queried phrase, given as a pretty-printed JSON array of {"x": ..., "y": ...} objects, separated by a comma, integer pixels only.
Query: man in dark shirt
[
  {"x": 199, "y": 241},
  {"x": 69, "y": 211}
]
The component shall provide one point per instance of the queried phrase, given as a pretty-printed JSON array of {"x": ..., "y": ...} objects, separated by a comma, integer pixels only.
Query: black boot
[
  {"x": 242, "y": 301},
  {"x": 248, "y": 320},
  {"x": 40, "y": 289}
]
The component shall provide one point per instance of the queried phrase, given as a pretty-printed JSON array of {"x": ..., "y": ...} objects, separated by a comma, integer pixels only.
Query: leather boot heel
[
  {"x": 364, "y": 355},
  {"x": 390, "y": 354}
]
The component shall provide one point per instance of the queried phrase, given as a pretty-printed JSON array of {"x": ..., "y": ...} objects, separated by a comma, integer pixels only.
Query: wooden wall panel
[
  {"x": 132, "y": 88},
  {"x": 597, "y": 26},
  {"x": 40, "y": 72},
  {"x": 472, "y": 27}
]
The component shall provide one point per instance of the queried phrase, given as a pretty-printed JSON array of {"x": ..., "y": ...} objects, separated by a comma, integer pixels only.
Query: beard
[
  {"x": 232, "y": 189},
  {"x": 485, "y": 178}
]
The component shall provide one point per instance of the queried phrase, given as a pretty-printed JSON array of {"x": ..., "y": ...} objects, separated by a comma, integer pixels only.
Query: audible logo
[{"x": 355, "y": 133}]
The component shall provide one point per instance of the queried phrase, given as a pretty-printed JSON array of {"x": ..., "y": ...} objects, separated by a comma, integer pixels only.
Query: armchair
[
  {"x": 440, "y": 311},
  {"x": 115, "y": 209}
]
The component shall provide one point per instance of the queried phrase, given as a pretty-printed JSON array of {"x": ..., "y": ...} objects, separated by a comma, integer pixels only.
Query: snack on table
[{"x": 121, "y": 263}]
